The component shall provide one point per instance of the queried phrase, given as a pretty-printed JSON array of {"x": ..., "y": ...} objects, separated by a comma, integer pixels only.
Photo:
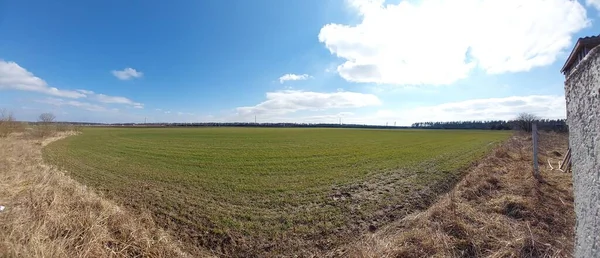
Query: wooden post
[
  {"x": 534, "y": 138},
  {"x": 566, "y": 159}
]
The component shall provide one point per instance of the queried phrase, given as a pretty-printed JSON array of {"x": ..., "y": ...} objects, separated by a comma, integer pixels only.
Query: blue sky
[{"x": 366, "y": 61}]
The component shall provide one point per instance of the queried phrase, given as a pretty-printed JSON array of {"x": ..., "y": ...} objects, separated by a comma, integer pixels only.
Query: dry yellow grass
[
  {"x": 8, "y": 124},
  {"x": 497, "y": 210},
  {"x": 48, "y": 214}
]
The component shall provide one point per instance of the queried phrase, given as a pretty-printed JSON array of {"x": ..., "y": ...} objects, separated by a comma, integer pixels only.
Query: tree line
[
  {"x": 250, "y": 124},
  {"x": 481, "y": 125},
  {"x": 522, "y": 122},
  {"x": 558, "y": 125}
]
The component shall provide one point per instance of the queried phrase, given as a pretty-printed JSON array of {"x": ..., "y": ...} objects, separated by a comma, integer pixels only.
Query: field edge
[
  {"x": 497, "y": 210},
  {"x": 49, "y": 214}
]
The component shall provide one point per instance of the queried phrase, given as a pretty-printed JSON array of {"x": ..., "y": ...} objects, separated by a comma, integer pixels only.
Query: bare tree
[
  {"x": 6, "y": 115},
  {"x": 524, "y": 121},
  {"x": 46, "y": 126},
  {"x": 7, "y": 122},
  {"x": 47, "y": 118}
]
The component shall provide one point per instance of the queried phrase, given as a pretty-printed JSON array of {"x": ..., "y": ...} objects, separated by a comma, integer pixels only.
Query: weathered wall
[{"x": 582, "y": 92}]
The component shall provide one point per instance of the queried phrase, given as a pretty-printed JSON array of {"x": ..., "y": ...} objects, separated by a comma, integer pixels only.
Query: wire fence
[{"x": 564, "y": 165}]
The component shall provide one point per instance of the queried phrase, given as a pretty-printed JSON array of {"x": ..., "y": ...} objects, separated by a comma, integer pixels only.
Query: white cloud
[
  {"x": 127, "y": 74},
  {"x": 111, "y": 99},
  {"x": 86, "y": 91},
  {"x": 594, "y": 3},
  {"x": 289, "y": 101},
  {"x": 83, "y": 105},
  {"x": 333, "y": 118},
  {"x": 293, "y": 77},
  {"x": 545, "y": 106},
  {"x": 13, "y": 76},
  {"x": 439, "y": 42},
  {"x": 507, "y": 108}
]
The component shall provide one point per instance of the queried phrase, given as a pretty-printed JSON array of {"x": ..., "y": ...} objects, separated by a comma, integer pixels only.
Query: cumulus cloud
[
  {"x": 507, "y": 108},
  {"x": 111, "y": 99},
  {"x": 86, "y": 91},
  {"x": 332, "y": 118},
  {"x": 594, "y": 3},
  {"x": 288, "y": 101},
  {"x": 293, "y": 77},
  {"x": 114, "y": 99},
  {"x": 545, "y": 106},
  {"x": 83, "y": 105},
  {"x": 440, "y": 41},
  {"x": 127, "y": 73},
  {"x": 13, "y": 76}
]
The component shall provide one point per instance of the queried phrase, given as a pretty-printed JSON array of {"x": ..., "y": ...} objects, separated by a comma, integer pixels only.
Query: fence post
[{"x": 534, "y": 139}]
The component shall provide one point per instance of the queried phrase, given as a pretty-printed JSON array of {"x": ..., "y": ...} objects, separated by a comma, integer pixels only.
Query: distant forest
[{"x": 558, "y": 125}]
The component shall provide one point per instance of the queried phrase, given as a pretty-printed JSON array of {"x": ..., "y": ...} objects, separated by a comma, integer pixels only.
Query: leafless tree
[
  {"x": 524, "y": 121},
  {"x": 7, "y": 122},
  {"x": 47, "y": 118},
  {"x": 46, "y": 126},
  {"x": 6, "y": 115}
]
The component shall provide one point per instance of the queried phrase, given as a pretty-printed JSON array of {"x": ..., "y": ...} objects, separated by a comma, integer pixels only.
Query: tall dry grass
[
  {"x": 48, "y": 214},
  {"x": 42, "y": 130},
  {"x": 9, "y": 124},
  {"x": 497, "y": 210}
]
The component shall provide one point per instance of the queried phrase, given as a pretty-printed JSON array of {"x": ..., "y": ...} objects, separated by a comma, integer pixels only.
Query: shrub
[{"x": 8, "y": 123}]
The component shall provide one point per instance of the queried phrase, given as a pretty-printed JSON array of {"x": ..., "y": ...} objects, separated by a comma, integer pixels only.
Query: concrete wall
[{"x": 582, "y": 92}]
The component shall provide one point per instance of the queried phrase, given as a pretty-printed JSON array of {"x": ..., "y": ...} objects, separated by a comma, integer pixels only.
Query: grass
[
  {"x": 253, "y": 191},
  {"x": 48, "y": 214},
  {"x": 497, "y": 210}
]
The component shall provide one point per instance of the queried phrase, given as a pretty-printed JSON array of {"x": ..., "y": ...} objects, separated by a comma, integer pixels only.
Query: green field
[{"x": 249, "y": 191}]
